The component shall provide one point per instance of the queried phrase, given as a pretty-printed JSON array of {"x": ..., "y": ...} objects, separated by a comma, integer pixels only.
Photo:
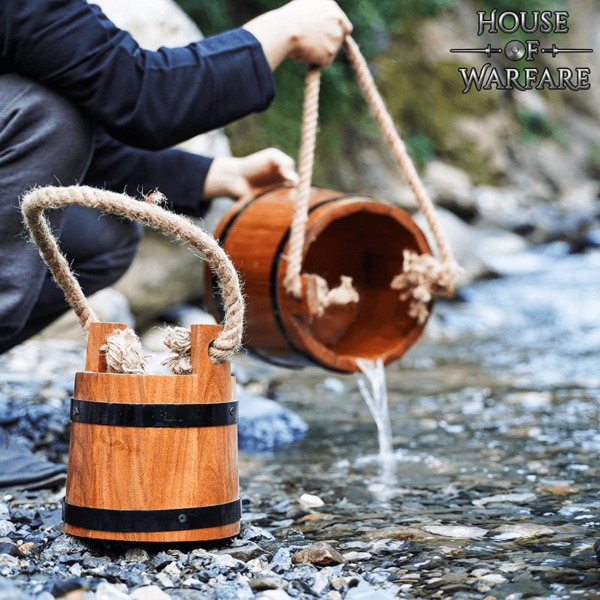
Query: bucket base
[{"x": 192, "y": 535}]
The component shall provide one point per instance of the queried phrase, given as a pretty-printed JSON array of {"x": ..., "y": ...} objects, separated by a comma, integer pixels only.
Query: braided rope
[
  {"x": 306, "y": 160},
  {"x": 149, "y": 213},
  {"x": 419, "y": 272}
]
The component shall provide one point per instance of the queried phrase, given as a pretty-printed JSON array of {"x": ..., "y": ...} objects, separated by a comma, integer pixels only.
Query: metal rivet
[
  {"x": 232, "y": 410},
  {"x": 75, "y": 410},
  {"x": 182, "y": 518}
]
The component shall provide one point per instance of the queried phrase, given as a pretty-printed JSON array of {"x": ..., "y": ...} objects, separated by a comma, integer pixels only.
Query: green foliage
[
  {"x": 594, "y": 157},
  {"x": 420, "y": 148},
  {"x": 535, "y": 126}
]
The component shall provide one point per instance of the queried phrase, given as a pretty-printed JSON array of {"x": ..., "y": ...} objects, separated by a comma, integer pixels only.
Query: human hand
[
  {"x": 309, "y": 31},
  {"x": 235, "y": 177}
]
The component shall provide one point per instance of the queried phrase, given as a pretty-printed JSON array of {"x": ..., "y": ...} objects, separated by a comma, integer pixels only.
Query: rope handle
[
  {"x": 441, "y": 274},
  {"x": 151, "y": 214}
]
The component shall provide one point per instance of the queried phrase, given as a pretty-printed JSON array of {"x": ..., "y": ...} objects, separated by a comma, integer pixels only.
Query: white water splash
[{"x": 373, "y": 387}]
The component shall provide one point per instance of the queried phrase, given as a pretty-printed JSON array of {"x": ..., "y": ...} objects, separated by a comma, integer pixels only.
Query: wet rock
[
  {"x": 7, "y": 546},
  {"x": 517, "y": 498},
  {"x": 10, "y": 591},
  {"x": 337, "y": 386},
  {"x": 356, "y": 556},
  {"x": 233, "y": 590},
  {"x": 364, "y": 591},
  {"x": 457, "y": 532},
  {"x": 161, "y": 560},
  {"x": 251, "y": 532},
  {"x": 6, "y": 528},
  {"x": 150, "y": 592},
  {"x": 265, "y": 424},
  {"x": 281, "y": 562},
  {"x": 63, "y": 588},
  {"x": 321, "y": 554},
  {"x": 6, "y": 560},
  {"x": 397, "y": 532},
  {"x": 245, "y": 552},
  {"x": 109, "y": 591},
  {"x": 138, "y": 555},
  {"x": 65, "y": 544},
  {"x": 308, "y": 501},
  {"x": 272, "y": 595},
  {"x": 268, "y": 583},
  {"x": 520, "y": 532}
]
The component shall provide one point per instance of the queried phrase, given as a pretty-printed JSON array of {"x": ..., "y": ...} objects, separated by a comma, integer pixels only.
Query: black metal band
[
  {"x": 117, "y": 414},
  {"x": 148, "y": 521}
]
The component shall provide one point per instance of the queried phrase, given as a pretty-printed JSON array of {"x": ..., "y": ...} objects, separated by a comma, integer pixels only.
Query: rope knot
[
  {"x": 322, "y": 297},
  {"x": 179, "y": 341},
  {"x": 423, "y": 276},
  {"x": 123, "y": 352}
]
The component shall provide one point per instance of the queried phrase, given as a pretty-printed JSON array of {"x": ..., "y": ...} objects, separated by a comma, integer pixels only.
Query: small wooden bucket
[
  {"x": 345, "y": 235},
  {"x": 153, "y": 457}
]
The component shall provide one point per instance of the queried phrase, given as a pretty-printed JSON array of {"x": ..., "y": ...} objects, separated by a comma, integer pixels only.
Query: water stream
[{"x": 373, "y": 387}]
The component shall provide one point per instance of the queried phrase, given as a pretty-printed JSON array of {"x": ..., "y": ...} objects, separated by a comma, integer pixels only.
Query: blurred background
[{"x": 506, "y": 168}]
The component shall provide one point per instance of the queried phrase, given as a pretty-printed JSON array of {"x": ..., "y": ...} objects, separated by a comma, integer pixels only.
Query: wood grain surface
[{"x": 138, "y": 468}]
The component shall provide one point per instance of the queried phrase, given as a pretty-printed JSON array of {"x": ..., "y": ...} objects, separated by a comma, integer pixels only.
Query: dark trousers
[{"x": 46, "y": 140}]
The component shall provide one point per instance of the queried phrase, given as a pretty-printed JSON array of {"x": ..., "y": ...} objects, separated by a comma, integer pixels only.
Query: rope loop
[
  {"x": 419, "y": 279},
  {"x": 123, "y": 350}
]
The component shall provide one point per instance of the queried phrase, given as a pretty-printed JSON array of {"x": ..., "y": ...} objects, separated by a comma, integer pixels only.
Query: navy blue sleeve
[
  {"x": 177, "y": 174},
  {"x": 147, "y": 99}
]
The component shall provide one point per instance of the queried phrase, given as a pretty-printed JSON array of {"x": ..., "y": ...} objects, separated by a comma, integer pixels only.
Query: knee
[{"x": 52, "y": 127}]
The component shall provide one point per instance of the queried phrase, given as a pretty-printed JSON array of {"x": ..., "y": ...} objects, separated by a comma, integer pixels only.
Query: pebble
[
  {"x": 457, "y": 532},
  {"x": 149, "y": 592},
  {"x": 233, "y": 590},
  {"x": 356, "y": 556},
  {"x": 268, "y": 583},
  {"x": 321, "y": 554},
  {"x": 518, "y": 498},
  {"x": 6, "y": 528},
  {"x": 109, "y": 591},
  {"x": 308, "y": 501},
  {"x": 364, "y": 591},
  {"x": 520, "y": 532},
  {"x": 138, "y": 555},
  {"x": 245, "y": 552},
  {"x": 272, "y": 595}
]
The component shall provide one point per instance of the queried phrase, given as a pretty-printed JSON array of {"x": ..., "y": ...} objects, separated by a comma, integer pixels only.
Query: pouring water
[{"x": 373, "y": 387}]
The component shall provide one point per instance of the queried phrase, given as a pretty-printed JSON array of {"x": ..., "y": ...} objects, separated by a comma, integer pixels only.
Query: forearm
[{"x": 275, "y": 36}]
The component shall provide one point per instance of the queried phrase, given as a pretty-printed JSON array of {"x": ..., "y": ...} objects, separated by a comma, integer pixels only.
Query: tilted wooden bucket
[
  {"x": 346, "y": 235},
  {"x": 153, "y": 458},
  {"x": 295, "y": 246}
]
